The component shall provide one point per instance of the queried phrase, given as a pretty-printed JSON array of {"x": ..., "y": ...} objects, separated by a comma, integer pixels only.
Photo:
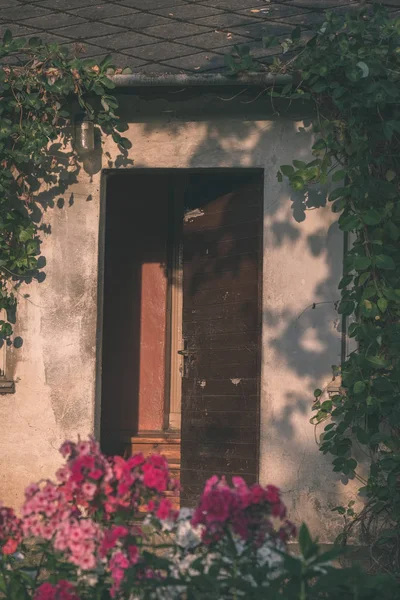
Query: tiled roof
[{"x": 165, "y": 36}]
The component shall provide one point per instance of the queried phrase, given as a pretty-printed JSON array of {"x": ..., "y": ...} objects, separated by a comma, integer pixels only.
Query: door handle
[
  {"x": 188, "y": 357},
  {"x": 184, "y": 353}
]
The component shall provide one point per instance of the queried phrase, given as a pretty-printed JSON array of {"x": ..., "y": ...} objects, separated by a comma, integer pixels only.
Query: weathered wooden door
[{"x": 222, "y": 239}]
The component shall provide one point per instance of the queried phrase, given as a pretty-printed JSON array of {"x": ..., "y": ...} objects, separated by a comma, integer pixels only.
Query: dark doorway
[{"x": 194, "y": 235}]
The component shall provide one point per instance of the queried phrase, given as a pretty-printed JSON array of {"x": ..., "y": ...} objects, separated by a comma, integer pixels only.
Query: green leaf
[
  {"x": 361, "y": 263},
  {"x": 305, "y": 541},
  {"x": 106, "y": 62},
  {"x": 34, "y": 42},
  {"x": 369, "y": 292},
  {"x": 352, "y": 330},
  {"x": 362, "y": 436},
  {"x": 25, "y": 235},
  {"x": 125, "y": 143},
  {"x": 243, "y": 50},
  {"x": 319, "y": 145},
  {"x": 377, "y": 361},
  {"x": 382, "y": 304},
  {"x": 349, "y": 222},
  {"x": 108, "y": 83},
  {"x": 339, "y": 509},
  {"x": 371, "y": 217},
  {"x": 364, "y": 69},
  {"x": 329, "y": 427},
  {"x": 390, "y": 175},
  {"x": 346, "y": 307},
  {"x": 363, "y": 278},
  {"x": 387, "y": 130},
  {"x": 383, "y": 261},
  {"x": 338, "y": 193},
  {"x": 367, "y": 304},
  {"x": 287, "y": 170},
  {"x": 394, "y": 231},
  {"x": 339, "y": 175},
  {"x": 352, "y": 464},
  {"x": 105, "y": 105},
  {"x": 318, "y": 87},
  {"x": 377, "y": 438},
  {"x": 7, "y": 37},
  {"x": 359, "y": 387},
  {"x": 317, "y": 393},
  {"x": 345, "y": 281},
  {"x": 270, "y": 41},
  {"x": 299, "y": 164},
  {"x": 296, "y": 34},
  {"x": 297, "y": 183}
]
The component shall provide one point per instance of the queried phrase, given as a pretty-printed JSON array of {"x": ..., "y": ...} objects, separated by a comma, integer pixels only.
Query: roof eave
[{"x": 199, "y": 79}]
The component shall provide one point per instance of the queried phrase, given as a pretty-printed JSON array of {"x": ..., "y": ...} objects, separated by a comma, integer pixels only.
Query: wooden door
[{"x": 222, "y": 240}]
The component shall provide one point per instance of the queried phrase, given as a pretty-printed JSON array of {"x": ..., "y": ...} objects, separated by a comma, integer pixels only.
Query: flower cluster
[
  {"x": 246, "y": 510},
  {"x": 62, "y": 591},
  {"x": 86, "y": 526},
  {"x": 45, "y": 508},
  {"x": 92, "y": 481},
  {"x": 78, "y": 515},
  {"x": 49, "y": 515},
  {"x": 118, "y": 545},
  {"x": 79, "y": 540},
  {"x": 10, "y": 531},
  {"x": 85, "y": 474}
]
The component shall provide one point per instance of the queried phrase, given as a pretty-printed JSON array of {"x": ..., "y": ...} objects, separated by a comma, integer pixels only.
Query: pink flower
[
  {"x": 83, "y": 447},
  {"x": 63, "y": 590},
  {"x": 245, "y": 510},
  {"x": 111, "y": 538},
  {"x": 67, "y": 448},
  {"x": 164, "y": 511},
  {"x": 272, "y": 494},
  {"x": 31, "y": 490},
  {"x": 10, "y": 531},
  {"x": 89, "y": 490},
  {"x": 118, "y": 564},
  {"x": 135, "y": 460},
  {"x": 96, "y": 474},
  {"x": 210, "y": 483},
  {"x": 10, "y": 546},
  {"x": 133, "y": 554},
  {"x": 62, "y": 474},
  {"x": 87, "y": 562},
  {"x": 151, "y": 505}
]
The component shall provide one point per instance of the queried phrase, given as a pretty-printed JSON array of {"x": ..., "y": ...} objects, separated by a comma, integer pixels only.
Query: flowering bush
[{"x": 106, "y": 529}]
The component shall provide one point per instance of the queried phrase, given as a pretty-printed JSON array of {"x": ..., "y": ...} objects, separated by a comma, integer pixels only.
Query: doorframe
[
  {"x": 173, "y": 360},
  {"x": 175, "y": 297},
  {"x": 100, "y": 301}
]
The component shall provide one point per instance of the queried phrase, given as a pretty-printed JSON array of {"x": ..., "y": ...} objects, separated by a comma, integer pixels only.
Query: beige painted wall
[{"x": 55, "y": 369}]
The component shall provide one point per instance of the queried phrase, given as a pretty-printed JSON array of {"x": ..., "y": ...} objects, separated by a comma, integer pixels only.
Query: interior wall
[
  {"x": 134, "y": 307},
  {"x": 55, "y": 369}
]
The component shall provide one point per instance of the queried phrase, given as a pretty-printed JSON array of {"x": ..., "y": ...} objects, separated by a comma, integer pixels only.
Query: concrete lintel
[{"x": 199, "y": 79}]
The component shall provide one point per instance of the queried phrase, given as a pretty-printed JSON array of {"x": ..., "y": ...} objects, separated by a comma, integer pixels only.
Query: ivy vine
[
  {"x": 42, "y": 87},
  {"x": 350, "y": 70}
]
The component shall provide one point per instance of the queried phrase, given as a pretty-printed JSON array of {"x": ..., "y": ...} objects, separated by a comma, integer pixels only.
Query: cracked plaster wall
[{"x": 55, "y": 369}]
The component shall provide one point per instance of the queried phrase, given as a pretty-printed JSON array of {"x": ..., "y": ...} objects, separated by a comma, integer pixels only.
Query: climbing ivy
[
  {"x": 42, "y": 87},
  {"x": 350, "y": 70}
]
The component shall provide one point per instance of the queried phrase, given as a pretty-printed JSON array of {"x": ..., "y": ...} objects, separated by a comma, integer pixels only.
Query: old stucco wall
[{"x": 55, "y": 369}]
